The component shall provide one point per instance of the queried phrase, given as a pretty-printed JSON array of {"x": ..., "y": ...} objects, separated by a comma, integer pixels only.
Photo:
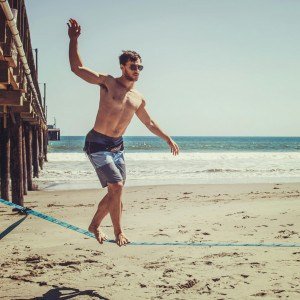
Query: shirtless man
[{"x": 119, "y": 101}]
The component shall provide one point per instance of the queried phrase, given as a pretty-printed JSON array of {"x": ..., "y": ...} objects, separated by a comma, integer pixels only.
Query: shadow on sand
[{"x": 67, "y": 293}]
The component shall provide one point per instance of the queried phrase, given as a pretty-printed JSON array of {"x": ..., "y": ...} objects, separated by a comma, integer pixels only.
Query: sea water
[{"x": 206, "y": 160}]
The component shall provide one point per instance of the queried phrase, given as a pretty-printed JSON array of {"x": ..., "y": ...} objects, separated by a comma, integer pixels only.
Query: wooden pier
[
  {"x": 23, "y": 125},
  {"x": 53, "y": 133}
]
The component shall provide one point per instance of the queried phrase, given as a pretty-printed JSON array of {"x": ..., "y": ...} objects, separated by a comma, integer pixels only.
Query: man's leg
[
  {"x": 102, "y": 211},
  {"x": 115, "y": 209}
]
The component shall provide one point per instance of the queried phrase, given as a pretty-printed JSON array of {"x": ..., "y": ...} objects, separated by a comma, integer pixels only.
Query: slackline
[{"x": 29, "y": 211}]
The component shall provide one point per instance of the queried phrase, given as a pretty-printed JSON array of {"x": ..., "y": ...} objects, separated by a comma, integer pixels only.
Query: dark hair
[{"x": 129, "y": 55}]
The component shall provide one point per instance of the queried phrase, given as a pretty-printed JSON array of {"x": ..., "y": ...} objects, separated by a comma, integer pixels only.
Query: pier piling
[
  {"x": 5, "y": 160},
  {"x": 28, "y": 146},
  {"x": 16, "y": 162}
]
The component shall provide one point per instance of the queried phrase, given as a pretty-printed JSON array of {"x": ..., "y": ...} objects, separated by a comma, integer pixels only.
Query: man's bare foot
[
  {"x": 99, "y": 235},
  {"x": 121, "y": 239}
]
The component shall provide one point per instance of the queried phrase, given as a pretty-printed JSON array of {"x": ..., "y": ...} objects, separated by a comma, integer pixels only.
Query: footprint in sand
[
  {"x": 217, "y": 224},
  {"x": 90, "y": 261},
  {"x": 202, "y": 196},
  {"x": 235, "y": 213},
  {"x": 33, "y": 259},
  {"x": 154, "y": 265},
  {"x": 160, "y": 234},
  {"x": 56, "y": 205},
  {"x": 260, "y": 294},
  {"x": 167, "y": 272},
  {"x": 69, "y": 263},
  {"x": 255, "y": 264},
  {"x": 278, "y": 291},
  {"x": 215, "y": 279},
  {"x": 272, "y": 219},
  {"x": 285, "y": 234},
  {"x": 239, "y": 226},
  {"x": 206, "y": 289},
  {"x": 80, "y": 205},
  {"x": 205, "y": 233},
  {"x": 246, "y": 217},
  {"x": 190, "y": 283}
]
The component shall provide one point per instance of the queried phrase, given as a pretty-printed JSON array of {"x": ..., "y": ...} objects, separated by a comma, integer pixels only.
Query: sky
[{"x": 211, "y": 68}]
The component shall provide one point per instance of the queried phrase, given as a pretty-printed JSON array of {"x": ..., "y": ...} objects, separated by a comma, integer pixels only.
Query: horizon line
[{"x": 279, "y": 136}]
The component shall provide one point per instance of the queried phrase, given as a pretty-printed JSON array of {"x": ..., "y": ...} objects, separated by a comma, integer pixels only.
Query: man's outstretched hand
[
  {"x": 173, "y": 146},
  {"x": 74, "y": 29}
]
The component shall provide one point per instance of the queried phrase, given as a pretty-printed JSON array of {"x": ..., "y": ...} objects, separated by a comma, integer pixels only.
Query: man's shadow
[{"x": 67, "y": 293}]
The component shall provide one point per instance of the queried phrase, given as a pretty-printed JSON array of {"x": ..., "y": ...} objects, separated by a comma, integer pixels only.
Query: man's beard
[{"x": 128, "y": 77}]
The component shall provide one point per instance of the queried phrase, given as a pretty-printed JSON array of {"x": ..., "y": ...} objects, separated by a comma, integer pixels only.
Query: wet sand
[{"x": 41, "y": 260}]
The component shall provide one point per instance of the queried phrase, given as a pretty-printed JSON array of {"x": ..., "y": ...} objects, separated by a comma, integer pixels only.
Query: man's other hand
[
  {"x": 173, "y": 146},
  {"x": 74, "y": 29}
]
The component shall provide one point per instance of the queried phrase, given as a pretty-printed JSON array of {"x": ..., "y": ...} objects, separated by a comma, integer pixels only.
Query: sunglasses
[{"x": 136, "y": 67}]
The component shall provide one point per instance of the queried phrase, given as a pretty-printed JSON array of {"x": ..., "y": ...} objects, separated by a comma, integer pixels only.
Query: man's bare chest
[{"x": 122, "y": 100}]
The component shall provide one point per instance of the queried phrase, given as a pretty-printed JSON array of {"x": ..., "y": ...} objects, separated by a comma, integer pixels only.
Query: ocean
[{"x": 206, "y": 160}]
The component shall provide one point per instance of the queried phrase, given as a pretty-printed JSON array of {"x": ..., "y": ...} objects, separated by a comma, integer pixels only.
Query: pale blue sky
[{"x": 210, "y": 67}]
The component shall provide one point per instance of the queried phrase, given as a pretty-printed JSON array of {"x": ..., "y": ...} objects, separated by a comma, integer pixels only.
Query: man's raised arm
[{"x": 75, "y": 61}]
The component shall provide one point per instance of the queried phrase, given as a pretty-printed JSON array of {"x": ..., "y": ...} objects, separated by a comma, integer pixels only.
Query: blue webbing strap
[
  {"x": 11, "y": 227},
  {"x": 89, "y": 234}
]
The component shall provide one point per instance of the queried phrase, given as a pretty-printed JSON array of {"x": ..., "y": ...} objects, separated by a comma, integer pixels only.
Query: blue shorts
[{"x": 109, "y": 165}]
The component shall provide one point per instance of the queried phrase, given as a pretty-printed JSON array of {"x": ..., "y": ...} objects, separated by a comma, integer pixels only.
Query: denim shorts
[{"x": 109, "y": 166}]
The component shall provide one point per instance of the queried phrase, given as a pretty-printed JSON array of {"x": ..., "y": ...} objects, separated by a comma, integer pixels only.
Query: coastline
[
  {"x": 95, "y": 185},
  {"x": 74, "y": 170},
  {"x": 43, "y": 258}
]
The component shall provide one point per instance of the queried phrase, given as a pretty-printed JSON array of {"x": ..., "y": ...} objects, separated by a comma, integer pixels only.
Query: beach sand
[{"x": 41, "y": 260}]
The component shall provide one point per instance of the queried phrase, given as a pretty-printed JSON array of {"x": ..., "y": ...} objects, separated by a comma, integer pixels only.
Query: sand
[{"x": 41, "y": 260}]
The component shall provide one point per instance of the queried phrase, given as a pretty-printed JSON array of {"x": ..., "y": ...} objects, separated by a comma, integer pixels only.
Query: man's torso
[{"x": 116, "y": 108}]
